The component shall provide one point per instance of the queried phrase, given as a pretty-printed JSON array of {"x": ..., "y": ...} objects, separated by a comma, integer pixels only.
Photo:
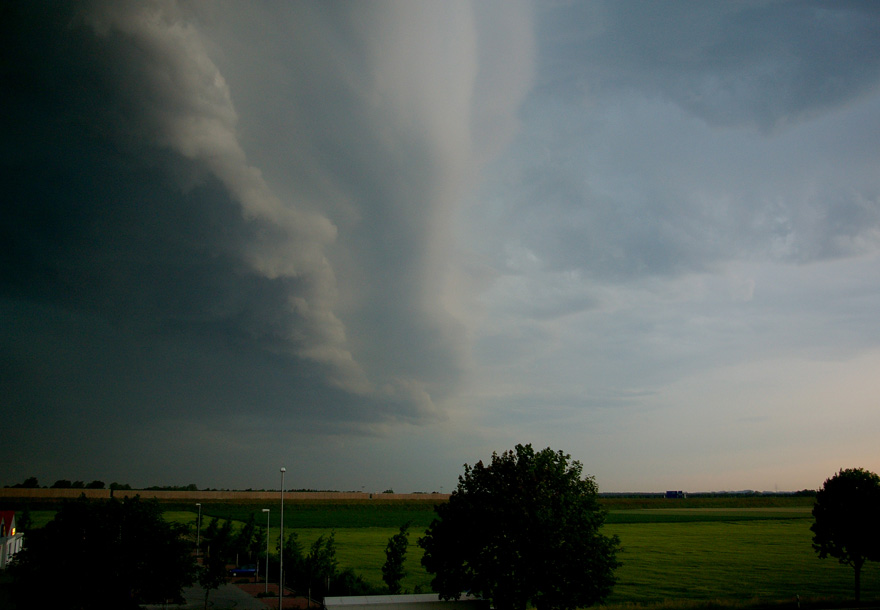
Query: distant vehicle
[{"x": 248, "y": 570}]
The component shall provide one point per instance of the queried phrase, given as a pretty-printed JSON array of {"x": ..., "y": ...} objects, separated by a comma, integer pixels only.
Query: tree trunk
[{"x": 857, "y": 565}]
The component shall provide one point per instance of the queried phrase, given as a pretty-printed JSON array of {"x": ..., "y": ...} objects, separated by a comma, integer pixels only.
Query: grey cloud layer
[
  {"x": 623, "y": 171},
  {"x": 760, "y": 64},
  {"x": 688, "y": 179}
]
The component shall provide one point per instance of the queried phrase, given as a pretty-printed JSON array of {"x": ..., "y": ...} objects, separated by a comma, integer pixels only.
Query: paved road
[{"x": 225, "y": 597}]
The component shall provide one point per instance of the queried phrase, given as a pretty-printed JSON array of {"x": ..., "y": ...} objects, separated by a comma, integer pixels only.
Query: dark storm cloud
[
  {"x": 401, "y": 107},
  {"x": 131, "y": 203},
  {"x": 211, "y": 210}
]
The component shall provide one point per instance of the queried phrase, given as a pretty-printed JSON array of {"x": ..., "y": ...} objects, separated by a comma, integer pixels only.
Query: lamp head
[{"x": 283, "y": 469}]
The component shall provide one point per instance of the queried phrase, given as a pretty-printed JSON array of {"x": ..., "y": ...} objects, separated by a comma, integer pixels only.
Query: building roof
[{"x": 7, "y": 518}]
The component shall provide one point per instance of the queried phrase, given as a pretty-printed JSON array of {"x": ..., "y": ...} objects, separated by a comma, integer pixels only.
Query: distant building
[
  {"x": 676, "y": 494},
  {"x": 10, "y": 539},
  {"x": 425, "y": 601}
]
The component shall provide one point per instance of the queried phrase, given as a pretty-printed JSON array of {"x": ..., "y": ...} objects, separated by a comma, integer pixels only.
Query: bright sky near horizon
[{"x": 374, "y": 241}]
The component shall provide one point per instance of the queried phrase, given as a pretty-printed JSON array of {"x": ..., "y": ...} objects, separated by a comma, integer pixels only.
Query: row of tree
[
  {"x": 33, "y": 483},
  {"x": 105, "y": 554},
  {"x": 314, "y": 571},
  {"x": 122, "y": 553},
  {"x": 66, "y": 484}
]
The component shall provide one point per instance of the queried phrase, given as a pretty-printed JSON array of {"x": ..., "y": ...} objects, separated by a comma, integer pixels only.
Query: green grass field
[
  {"x": 738, "y": 560},
  {"x": 702, "y": 550},
  {"x": 678, "y": 554},
  {"x": 696, "y": 557}
]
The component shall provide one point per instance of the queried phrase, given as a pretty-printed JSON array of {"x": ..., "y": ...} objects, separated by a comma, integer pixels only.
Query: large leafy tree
[
  {"x": 316, "y": 573},
  {"x": 126, "y": 546},
  {"x": 846, "y": 520},
  {"x": 522, "y": 531},
  {"x": 220, "y": 551},
  {"x": 395, "y": 556},
  {"x": 243, "y": 541},
  {"x": 321, "y": 565},
  {"x": 295, "y": 572},
  {"x": 211, "y": 574},
  {"x": 257, "y": 548}
]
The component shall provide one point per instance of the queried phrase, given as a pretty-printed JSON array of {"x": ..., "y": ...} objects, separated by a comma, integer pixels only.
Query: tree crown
[
  {"x": 846, "y": 512},
  {"x": 522, "y": 530}
]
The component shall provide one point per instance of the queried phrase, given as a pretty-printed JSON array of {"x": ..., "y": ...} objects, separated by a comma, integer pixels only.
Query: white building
[
  {"x": 425, "y": 601},
  {"x": 10, "y": 539}
]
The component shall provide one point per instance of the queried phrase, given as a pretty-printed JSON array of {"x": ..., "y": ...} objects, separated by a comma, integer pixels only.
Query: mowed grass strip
[
  {"x": 733, "y": 501},
  {"x": 689, "y": 515},
  {"x": 323, "y": 514}
]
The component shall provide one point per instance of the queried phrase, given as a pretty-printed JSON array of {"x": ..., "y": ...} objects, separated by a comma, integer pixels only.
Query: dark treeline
[
  {"x": 33, "y": 483},
  {"x": 712, "y": 494}
]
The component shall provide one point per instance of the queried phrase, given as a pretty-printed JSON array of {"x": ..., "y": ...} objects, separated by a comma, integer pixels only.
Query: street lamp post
[
  {"x": 266, "y": 510},
  {"x": 281, "y": 562},
  {"x": 199, "y": 530}
]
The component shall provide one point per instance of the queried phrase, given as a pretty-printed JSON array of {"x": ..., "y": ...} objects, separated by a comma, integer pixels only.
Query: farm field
[
  {"x": 673, "y": 553},
  {"x": 686, "y": 551},
  {"x": 734, "y": 560}
]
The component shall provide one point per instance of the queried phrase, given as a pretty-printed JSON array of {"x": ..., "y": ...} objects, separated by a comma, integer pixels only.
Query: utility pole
[
  {"x": 266, "y": 510},
  {"x": 281, "y": 546}
]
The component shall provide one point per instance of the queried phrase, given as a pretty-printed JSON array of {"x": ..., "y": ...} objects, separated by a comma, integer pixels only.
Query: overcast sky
[{"x": 373, "y": 241}]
